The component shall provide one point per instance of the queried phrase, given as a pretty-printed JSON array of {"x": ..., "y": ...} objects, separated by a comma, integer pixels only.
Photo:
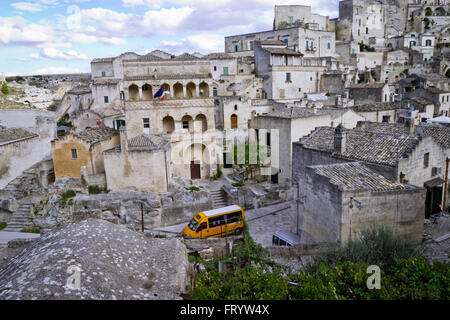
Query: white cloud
[
  {"x": 16, "y": 31},
  {"x": 27, "y": 6},
  {"x": 55, "y": 70},
  {"x": 55, "y": 54}
]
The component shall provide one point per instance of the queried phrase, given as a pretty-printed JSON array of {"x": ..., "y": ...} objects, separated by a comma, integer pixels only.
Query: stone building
[
  {"x": 310, "y": 34},
  {"x": 440, "y": 98},
  {"x": 426, "y": 170},
  {"x": 340, "y": 200},
  {"x": 139, "y": 164},
  {"x": 26, "y": 137},
  {"x": 378, "y": 112},
  {"x": 79, "y": 149},
  {"x": 286, "y": 125},
  {"x": 367, "y": 93}
]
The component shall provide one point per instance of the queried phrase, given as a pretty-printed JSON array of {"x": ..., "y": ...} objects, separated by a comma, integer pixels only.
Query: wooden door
[{"x": 195, "y": 171}]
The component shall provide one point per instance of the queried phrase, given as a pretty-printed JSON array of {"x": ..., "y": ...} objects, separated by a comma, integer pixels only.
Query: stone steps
[
  {"x": 20, "y": 219},
  {"x": 218, "y": 199}
]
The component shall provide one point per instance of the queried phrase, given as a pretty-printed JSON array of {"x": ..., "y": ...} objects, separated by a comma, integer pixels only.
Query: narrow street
[{"x": 262, "y": 222}]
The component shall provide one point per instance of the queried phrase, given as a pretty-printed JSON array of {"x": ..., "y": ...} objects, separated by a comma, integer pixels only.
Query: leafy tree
[
  {"x": 5, "y": 88},
  {"x": 253, "y": 157}
]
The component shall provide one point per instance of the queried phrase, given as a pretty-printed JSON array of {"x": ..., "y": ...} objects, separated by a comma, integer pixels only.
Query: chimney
[
  {"x": 339, "y": 139},
  {"x": 409, "y": 122},
  {"x": 123, "y": 139}
]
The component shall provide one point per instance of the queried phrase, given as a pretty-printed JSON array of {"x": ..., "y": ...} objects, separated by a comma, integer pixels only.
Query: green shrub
[
  {"x": 238, "y": 184},
  {"x": 96, "y": 190},
  {"x": 36, "y": 230},
  {"x": 5, "y": 89},
  {"x": 378, "y": 245},
  {"x": 249, "y": 275},
  {"x": 194, "y": 188},
  {"x": 66, "y": 196},
  {"x": 2, "y": 225}
]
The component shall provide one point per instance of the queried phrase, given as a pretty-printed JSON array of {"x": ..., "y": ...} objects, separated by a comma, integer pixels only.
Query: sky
[{"x": 62, "y": 36}]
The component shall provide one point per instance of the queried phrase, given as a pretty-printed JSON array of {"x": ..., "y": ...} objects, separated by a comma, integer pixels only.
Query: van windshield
[{"x": 193, "y": 224}]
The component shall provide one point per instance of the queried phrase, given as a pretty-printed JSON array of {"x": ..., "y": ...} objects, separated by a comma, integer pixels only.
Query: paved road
[
  {"x": 262, "y": 222},
  {"x": 6, "y": 237}
]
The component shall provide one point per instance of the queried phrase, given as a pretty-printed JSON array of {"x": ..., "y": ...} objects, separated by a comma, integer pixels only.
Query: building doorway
[
  {"x": 195, "y": 170},
  {"x": 434, "y": 196}
]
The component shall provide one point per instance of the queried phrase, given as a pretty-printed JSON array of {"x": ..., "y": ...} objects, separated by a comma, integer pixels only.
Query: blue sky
[{"x": 62, "y": 36}]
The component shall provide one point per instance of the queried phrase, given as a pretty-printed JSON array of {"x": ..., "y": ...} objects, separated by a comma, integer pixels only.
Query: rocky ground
[
  {"x": 114, "y": 263},
  {"x": 432, "y": 247}
]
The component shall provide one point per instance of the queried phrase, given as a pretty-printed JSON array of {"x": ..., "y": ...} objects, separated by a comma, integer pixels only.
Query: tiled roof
[
  {"x": 95, "y": 135},
  {"x": 439, "y": 133},
  {"x": 147, "y": 142},
  {"x": 373, "y": 85},
  {"x": 284, "y": 51},
  {"x": 99, "y": 60},
  {"x": 8, "y": 135},
  {"x": 240, "y": 85},
  {"x": 301, "y": 112},
  {"x": 355, "y": 176},
  {"x": 422, "y": 101},
  {"x": 375, "y": 107},
  {"x": 367, "y": 146},
  {"x": 186, "y": 56},
  {"x": 80, "y": 90},
  {"x": 218, "y": 56}
]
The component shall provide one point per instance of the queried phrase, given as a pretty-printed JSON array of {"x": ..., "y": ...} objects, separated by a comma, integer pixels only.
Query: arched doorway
[
  {"x": 133, "y": 92},
  {"x": 147, "y": 92},
  {"x": 190, "y": 90},
  {"x": 168, "y": 125},
  {"x": 178, "y": 91},
  {"x": 204, "y": 90},
  {"x": 202, "y": 118},
  {"x": 198, "y": 157},
  {"x": 234, "y": 121}
]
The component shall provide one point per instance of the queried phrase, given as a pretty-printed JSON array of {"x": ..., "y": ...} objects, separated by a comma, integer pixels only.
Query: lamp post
[
  {"x": 297, "y": 200},
  {"x": 444, "y": 204}
]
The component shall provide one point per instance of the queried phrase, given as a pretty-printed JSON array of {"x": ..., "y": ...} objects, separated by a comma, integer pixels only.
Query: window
[
  {"x": 426, "y": 160},
  {"x": 282, "y": 93},
  {"x": 357, "y": 11},
  {"x": 215, "y": 94},
  {"x": 386, "y": 118},
  {"x": 201, "y": 227},
  {"x": 103, "y": 74},
  {"x": 286, "y": 41},
  {"x": 185, "y": 124},
  {"x": 146, "y": 124},
  {"x": 236, "y": 48},
  {"x": 268, "y": 139},
  {"x": 74, "y": 154},
  {"x": 215, "y": 68},
  {"x": 329, "y": 45},
  {"x": 288, "y": 76},
  {"x": 225, "y": 71},
  {"x": 106, "y": 99},
  {"x": 235, "y": 107},
  {"x": 312, "y": 45},
  {"x": 118, "y": 123},
  {"x": 233, "y": 217},
  {"x": 291, "y": 19},
  {"x": 353, "y": 50},
  {"x": 250, "y": 45},
  {"x": 241, "y": 70},
  {"x": 367, "y": 30},
  {"x": 307, "y": 45}
]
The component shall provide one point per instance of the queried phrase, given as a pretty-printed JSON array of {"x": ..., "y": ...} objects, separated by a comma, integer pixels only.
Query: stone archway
[
  {"x": 191, "y": 91},
  {"x": 133, "y": 92},
  {"x": 202, "y": 118},
  {"x": 197, "y": 157},
  {"x": 178, "y": 91},
  {"x": 204, "y": 90},
  {"x": 234, "y": 121},
  {"x": 147, "y": 92},
  {"x": 168, "y": 125},
  {"x": 188, "y": 123}
]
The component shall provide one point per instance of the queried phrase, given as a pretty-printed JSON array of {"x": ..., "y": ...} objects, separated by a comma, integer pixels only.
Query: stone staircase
[
  {"x": 20, "y": 219},
  {"x": 218, "y": 197}
]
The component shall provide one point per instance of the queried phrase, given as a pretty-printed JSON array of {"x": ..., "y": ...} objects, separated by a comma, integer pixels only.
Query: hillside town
[{"x": 317, "y": 129}]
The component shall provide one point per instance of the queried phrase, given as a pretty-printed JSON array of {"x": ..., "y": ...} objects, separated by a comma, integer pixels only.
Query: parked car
[{"x": 285, "y": 238}]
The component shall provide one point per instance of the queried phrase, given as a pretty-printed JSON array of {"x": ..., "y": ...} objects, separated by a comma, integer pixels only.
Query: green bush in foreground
[
  {"x": 2, "y": 225},
  {"x": 249, "y": 275}
]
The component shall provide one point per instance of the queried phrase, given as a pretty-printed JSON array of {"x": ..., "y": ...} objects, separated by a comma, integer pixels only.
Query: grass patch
[
  {"x": 35, "y": 230},
  {"x": 194, "y": 188},
  {"x": 96, "y": 190},
  {"x": 2, "y": 225},
  {"x": 238, "y": 184}
]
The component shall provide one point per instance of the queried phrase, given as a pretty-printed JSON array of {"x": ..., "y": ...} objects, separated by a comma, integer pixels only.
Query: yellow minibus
[{"x": 216, "y": 223}]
